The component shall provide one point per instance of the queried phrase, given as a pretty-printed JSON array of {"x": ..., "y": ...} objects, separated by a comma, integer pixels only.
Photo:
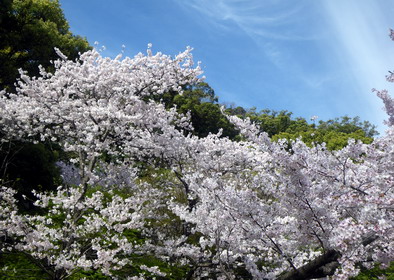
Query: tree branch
[
  {"x": 315, "y": 268},
  {"x": 322, "y": 266}
]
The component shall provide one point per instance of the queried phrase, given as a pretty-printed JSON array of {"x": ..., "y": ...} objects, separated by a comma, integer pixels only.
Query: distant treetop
[{"x": 29, "y": 32}]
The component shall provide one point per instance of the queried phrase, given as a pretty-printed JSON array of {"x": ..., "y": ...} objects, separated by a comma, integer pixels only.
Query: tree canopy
[
  {"x": 334, "y": 133},
  {"x": 29, "y": 32}
]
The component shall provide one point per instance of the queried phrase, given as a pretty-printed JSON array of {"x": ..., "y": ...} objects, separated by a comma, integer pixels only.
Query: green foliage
[
  {"x": 31, "y": 164},
  {"x": 334, "y": 140},
  {"x": 89, "y": 275},
  {"x": 27, "y": 166},
  {"x": 19, "y": 266},
  {"x": 272, "y": 122},
  {"x": 348, "y": 125},
  {"x": 335, "y": 133},
  {"x": 202, "y": 103},
  {"x": 376, "y": 273},
  {"x": 236, "y": 111},
  {"x": 173, "y": 272},
  {"x": 29, "y": 32}
]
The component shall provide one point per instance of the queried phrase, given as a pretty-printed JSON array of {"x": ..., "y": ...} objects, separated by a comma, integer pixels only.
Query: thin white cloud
[
  {"x": 269, "y": 24},
  {"x": 316, "y": 81},
  {"x": 254, "y": 17}
]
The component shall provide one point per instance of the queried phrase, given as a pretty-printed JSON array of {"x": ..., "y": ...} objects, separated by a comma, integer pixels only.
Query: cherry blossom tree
[
  {"x": 99, "y": 111},
  {"x": 253, "y": 208},
  {"x": 277, "y": 213},
  {"x": 289, "y": 211}
]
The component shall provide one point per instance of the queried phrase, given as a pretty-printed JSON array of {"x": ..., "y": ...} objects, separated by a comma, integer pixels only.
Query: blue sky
[{"x": 310, "y": 57}]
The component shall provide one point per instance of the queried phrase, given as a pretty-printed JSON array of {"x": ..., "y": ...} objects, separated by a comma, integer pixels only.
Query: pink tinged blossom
[
  {"x": 388, "y": 105},
  {"x": 391, "y": 34}
]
